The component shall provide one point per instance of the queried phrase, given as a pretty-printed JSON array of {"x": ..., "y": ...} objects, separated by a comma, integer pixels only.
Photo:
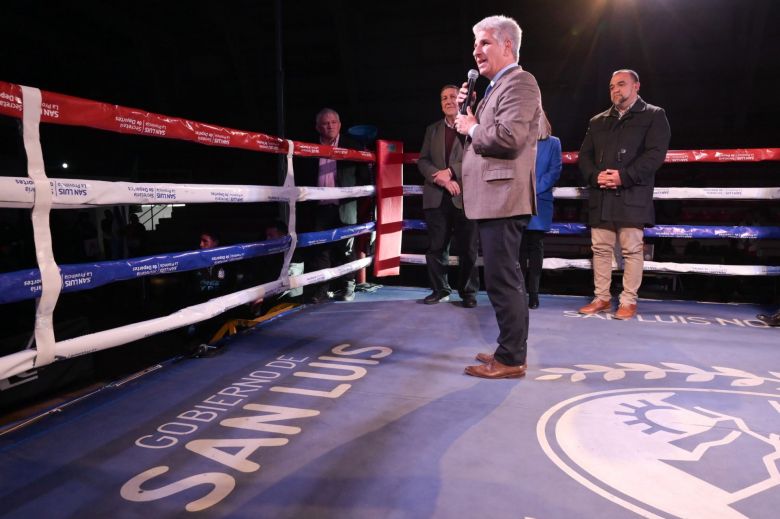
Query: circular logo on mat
[{"x": 675, "y": 451}]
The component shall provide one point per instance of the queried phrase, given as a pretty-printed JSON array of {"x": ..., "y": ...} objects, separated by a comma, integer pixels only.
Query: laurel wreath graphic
[{"x": 694, "y": 374}]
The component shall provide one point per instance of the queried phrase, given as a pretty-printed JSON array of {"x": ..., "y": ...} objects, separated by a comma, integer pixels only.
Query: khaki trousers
[{"x": 631, "y": 243}]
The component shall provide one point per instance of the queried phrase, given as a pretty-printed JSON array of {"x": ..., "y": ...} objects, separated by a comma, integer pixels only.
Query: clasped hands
[
  {"x": 443, "y": 178},
  {"x": 609, "y": 179}
]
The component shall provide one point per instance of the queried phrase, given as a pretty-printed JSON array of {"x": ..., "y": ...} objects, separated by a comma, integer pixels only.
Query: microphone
[{"x": 472, "y": 75}]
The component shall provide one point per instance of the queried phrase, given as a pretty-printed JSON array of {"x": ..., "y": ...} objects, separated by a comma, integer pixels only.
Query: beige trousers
[{"x": 631, "y": 243}]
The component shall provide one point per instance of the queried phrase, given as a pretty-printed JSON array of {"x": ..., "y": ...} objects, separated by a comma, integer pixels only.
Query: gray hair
[
  {"x": 326, "y": 111},
  {"x": 628, "y": 71},
  {"x": 445, "y": 87},
  {"x": 504, "y": 28}
]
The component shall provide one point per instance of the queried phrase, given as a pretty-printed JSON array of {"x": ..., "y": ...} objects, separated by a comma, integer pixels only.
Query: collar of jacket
[
  {"x": 639, "y": 106},
  {"x": 490, "y": 90}
]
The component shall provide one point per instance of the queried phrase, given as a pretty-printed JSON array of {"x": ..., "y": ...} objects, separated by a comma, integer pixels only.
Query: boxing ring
[{"x": 361, "y": 409}]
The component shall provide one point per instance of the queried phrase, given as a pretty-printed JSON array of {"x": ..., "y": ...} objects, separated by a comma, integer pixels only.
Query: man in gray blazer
[
  {"x": 499, "y": 184},
  {"x": 440, "y": 161},
  {"x": 326, "y": 215}
]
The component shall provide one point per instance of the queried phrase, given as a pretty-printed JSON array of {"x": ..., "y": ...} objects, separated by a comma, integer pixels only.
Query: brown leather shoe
[
  {"x": 625, "y": 312},
  {"x": 495, "y": 369},
  {"x": 596, "y": 306},
  {"x": 485, "y": 357},
  {"x": 771, "y": 320}
]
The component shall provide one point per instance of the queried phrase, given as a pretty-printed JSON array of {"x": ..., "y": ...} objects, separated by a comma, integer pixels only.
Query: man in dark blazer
[
  {"x": 440, "y": 164},
  {"x": 331, "y": 214},
  {"x": 623, "y": 148},
  {"x": 499, "y": 184}
]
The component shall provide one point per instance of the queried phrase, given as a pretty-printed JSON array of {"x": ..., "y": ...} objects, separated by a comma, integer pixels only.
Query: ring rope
[
  {"x": 36, "y": 192},
  {"x": 665, "y": 193},
  {"x": 24, "y": 360},
  {"x": 19, "y": 192},
  {"x": 74, "y": 111},
  {"x": 26, "y": 284},
  {"x": 658, "y": 231},
  {"x": 649, "y": 266},
  {"x": 677, "y": 156}
]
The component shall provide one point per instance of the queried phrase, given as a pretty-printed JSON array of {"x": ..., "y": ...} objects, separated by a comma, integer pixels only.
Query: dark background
[{"x": 712, "y": 64}]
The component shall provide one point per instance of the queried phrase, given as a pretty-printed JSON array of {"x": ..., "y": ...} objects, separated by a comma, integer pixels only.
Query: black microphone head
[{"x": 472, "y": 75}]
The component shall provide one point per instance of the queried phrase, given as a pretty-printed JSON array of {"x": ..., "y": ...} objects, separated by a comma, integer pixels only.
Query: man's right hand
[
  {"x": 441, "y": 177},
  {"x": 606, "y": 179}
]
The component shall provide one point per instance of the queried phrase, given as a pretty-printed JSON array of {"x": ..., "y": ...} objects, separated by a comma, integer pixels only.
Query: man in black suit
[
  {"x": 440, "y": 161},
  {"x": 331, "y": 214}
]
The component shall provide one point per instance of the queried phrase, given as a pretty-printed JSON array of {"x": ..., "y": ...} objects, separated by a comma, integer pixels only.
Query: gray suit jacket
[
  {"x": 498, "y": 163},
  {"x": 432, "y": 159}
]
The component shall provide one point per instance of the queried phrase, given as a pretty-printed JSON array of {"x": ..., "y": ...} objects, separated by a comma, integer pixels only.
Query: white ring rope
[
  {"x": 666, "y": 193},
  {"x": 689, "y": 193},
  {"x": 19, "y": 362},
  {"x": 72, "y": 194},
  {"x": 649, "y": 266},
  {"x": 43, "y": 194}
]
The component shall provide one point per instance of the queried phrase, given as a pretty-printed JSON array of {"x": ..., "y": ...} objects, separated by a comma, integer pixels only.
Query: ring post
[{"x": 390, "y": 208}]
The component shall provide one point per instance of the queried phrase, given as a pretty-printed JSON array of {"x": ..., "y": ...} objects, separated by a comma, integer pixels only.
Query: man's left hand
[
  {"x": 452, "y": 187},
  {"x": 464, "y": 122}
]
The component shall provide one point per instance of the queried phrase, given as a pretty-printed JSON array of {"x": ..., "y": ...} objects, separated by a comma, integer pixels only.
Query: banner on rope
[
  {"x": 659, "y": 231},
  {"x": 20, "y": 192},
  {"x": 21, "y": 361},
  {"x": 74, "y": 111},
  {"x": 713, "y": 231},
  {"x": 674, "y": 268},
  {"x": 679, "y": 156},
  {"x": 683, "y": 231},
  {"x": 315, "y": 238},
  {"x": 738, "y": 155},
  {"x": 26, "y": 284},
  {"x": 683, "y": 193},
  {"x": 665, "y": 193},
  {"x": 649, "y": 266},
  {"x": 411, "y": 158},
  {"x": 724, "y": 270}
]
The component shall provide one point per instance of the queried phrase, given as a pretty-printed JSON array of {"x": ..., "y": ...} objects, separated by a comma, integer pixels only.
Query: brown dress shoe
[
  {"x": 596, "y": 306},
  {"x": 485, "y": 357},
  {"x": 495, "y": 369},
  {"x": 771, "y": 320},
  {"x": 625, "y": 312}
]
